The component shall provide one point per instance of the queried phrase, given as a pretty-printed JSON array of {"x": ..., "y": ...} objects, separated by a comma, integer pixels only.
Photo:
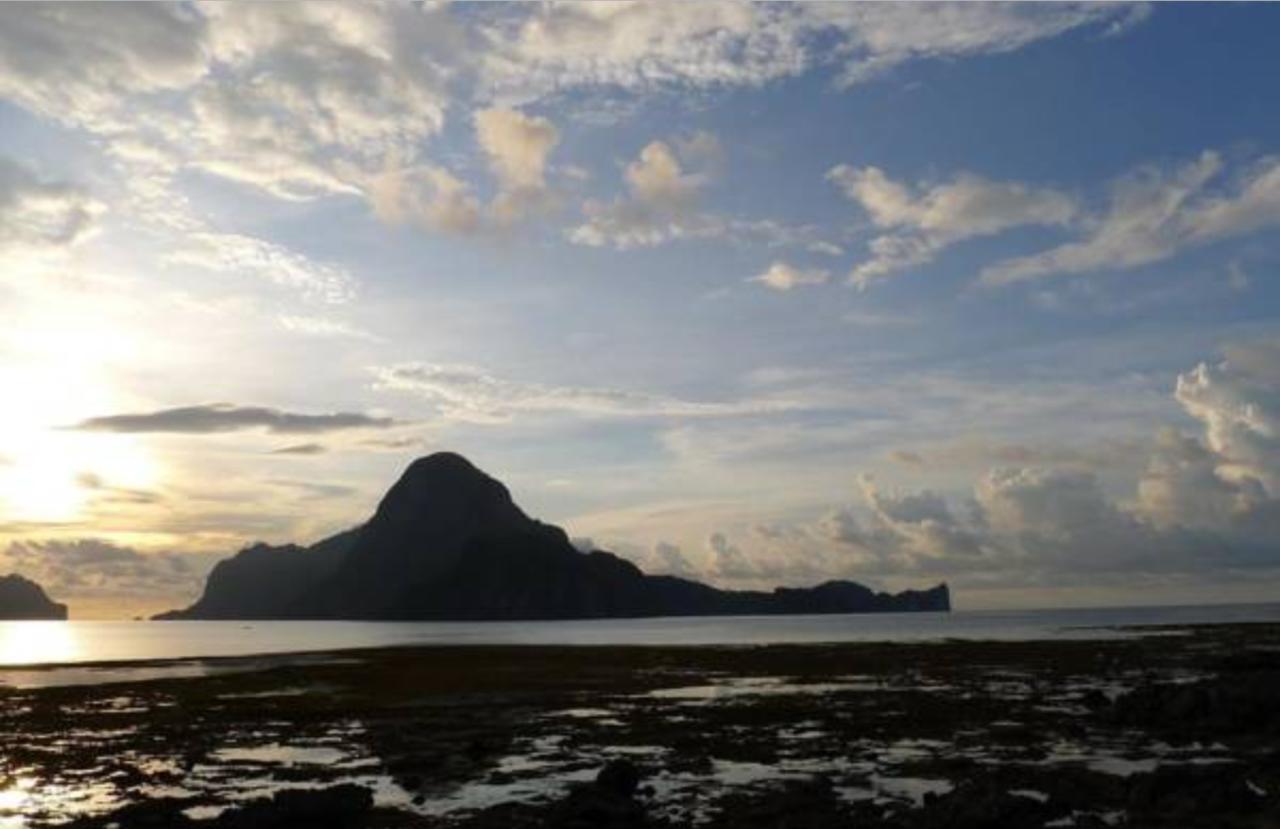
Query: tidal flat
[{"x": 1158, "y": 727}]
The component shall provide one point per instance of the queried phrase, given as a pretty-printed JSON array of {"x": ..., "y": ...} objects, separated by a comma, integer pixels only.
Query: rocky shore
[{"x": 1170, "y": 728}]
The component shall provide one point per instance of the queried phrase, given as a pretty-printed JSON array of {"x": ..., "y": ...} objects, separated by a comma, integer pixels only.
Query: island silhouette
[
  {"x": 447, "y": 542},
  {"x": 23, "y": 599}
]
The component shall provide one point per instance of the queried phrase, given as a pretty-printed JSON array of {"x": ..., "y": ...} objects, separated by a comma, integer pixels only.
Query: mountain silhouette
[
  {"x": 447, "y": 542},
  {"x": 24, "y": 599}
]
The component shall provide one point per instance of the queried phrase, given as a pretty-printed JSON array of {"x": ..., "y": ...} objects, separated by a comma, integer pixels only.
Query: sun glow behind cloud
[{"x": 63, "y": 363}]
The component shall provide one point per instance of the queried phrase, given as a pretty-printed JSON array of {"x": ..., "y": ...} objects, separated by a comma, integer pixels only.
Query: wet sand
[{"x": 1178, "y": 727}]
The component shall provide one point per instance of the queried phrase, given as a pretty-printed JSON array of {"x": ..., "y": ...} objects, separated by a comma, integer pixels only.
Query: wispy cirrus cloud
[
  {"x": 468, "y": 393},
  {"x": 651, "y": 47},
  {"x": 1154, "y": 213},
  {"x": 926, "y": 218},
  {"x": 237, "y": 254}
]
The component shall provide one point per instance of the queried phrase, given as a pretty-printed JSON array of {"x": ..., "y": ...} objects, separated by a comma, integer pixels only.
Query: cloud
[
  {"x": 1202, "y": 503},
  {"x": 879, "y": 37},
  {"x": 301, "y": 449},
  {"x": 1205, "y": 504},
  {"x": 304, "y": 101},
  {"x": 109, "y": 494},
  {"x": 727, "y": 560},
  {"x": 647, "y": 47},
  {"x": 73, "y": 63},
  {"x": 94, "y": 568},
  {"x": 428, "y": 195},
  {"x": 394, "y": 444},
  {"x": 661, "y": 193},
  {"x": 1239, "y": 408},
  {"x": 920, "y": 522},
  {"x": 927, "y": 218},
  {"x": 306, "y": 98},
  {"x": 236, "y": 254},
  {"x": 470, "y": 394},
  {"x": 224, "y": 417},
  {"x": 315, "y": 491},
  {"x": 664, "y": 186},
  {"x": 667, "y": 558},
  {"x": 783, "y": 277},
  {"x": 656, "y": 178},
  {"x": 39, "y": 216},
  {"x": 517, "y": 147},
  {"x": 1154, "y": 214},
  {"x": 324, "y": 327},
  {"x": 1233, "y": 474}
]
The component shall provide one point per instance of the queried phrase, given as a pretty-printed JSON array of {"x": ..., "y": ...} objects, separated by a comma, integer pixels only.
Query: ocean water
[{"x": 81, "y": 643}]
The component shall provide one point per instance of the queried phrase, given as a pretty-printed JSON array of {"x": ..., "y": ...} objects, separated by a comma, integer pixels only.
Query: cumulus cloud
[
  {"x": 95, "y": 568},
  {"x": 727, "y": 560},
  {"x": 1155, "y": 213},
  {"x": 470, "y": 394},
  {"x": 1240, "y": 412},
  {"x": 661, "y": 203},
  {"x": 1233, "y": 474},
  {"x": 661, "y": 194},
  {"x": 921, "y": 522},
  {"x": 427, "y": 195},
  {"x": 1202, "y": 502},
  {"x": 1206, "y": 503},
  {"x": 781, "y": 276},
  {"x": 213, "y": 418},
  {"x": 668, "y": 559},
  {"x": 517, "y": 147},
  {"x": 926, "y": 218}
]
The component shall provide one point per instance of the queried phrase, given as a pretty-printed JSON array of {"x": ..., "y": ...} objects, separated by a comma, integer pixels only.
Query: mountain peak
[
  {"x": 442, "y": 463},
  {"x": 448, "y": 542},
  {"x": 446, "y": 486}
]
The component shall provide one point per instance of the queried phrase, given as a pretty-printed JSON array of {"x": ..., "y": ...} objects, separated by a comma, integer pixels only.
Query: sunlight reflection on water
[
  {"x": 12, "y": 802},
  {"x": 31, "y": 643}
]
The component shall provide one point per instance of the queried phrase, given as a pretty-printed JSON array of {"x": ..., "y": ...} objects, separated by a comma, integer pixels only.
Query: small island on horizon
[{"x": 448, "y": 543}]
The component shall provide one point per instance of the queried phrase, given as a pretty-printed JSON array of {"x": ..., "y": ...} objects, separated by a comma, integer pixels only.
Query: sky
[{"x": 754, "y": 294}]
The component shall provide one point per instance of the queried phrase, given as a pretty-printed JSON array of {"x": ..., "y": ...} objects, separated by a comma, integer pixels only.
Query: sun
[
  {"x": 56, "y": 376},
  {"x": 51, "y": 475}
]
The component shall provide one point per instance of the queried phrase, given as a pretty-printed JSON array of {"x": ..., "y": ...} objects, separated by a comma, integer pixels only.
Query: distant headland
[
  {"x": 447, "y": 542},
  {"x": 22, "y": 599}
]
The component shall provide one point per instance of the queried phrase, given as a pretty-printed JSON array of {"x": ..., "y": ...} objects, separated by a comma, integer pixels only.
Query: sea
[{"x": 34, "y": 644}]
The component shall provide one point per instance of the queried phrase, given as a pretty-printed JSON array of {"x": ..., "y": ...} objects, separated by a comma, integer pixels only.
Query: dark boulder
[
  {"x": 620, "y": 777},
  {"x": 339, "y": 807}
]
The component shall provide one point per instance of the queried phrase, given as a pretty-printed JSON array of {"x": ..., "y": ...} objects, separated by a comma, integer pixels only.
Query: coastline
[{"x": 486, "y": 736}]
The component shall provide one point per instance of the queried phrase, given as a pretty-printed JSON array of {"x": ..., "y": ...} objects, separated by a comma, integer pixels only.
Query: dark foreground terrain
[{"x": 1175, "y": 728}]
